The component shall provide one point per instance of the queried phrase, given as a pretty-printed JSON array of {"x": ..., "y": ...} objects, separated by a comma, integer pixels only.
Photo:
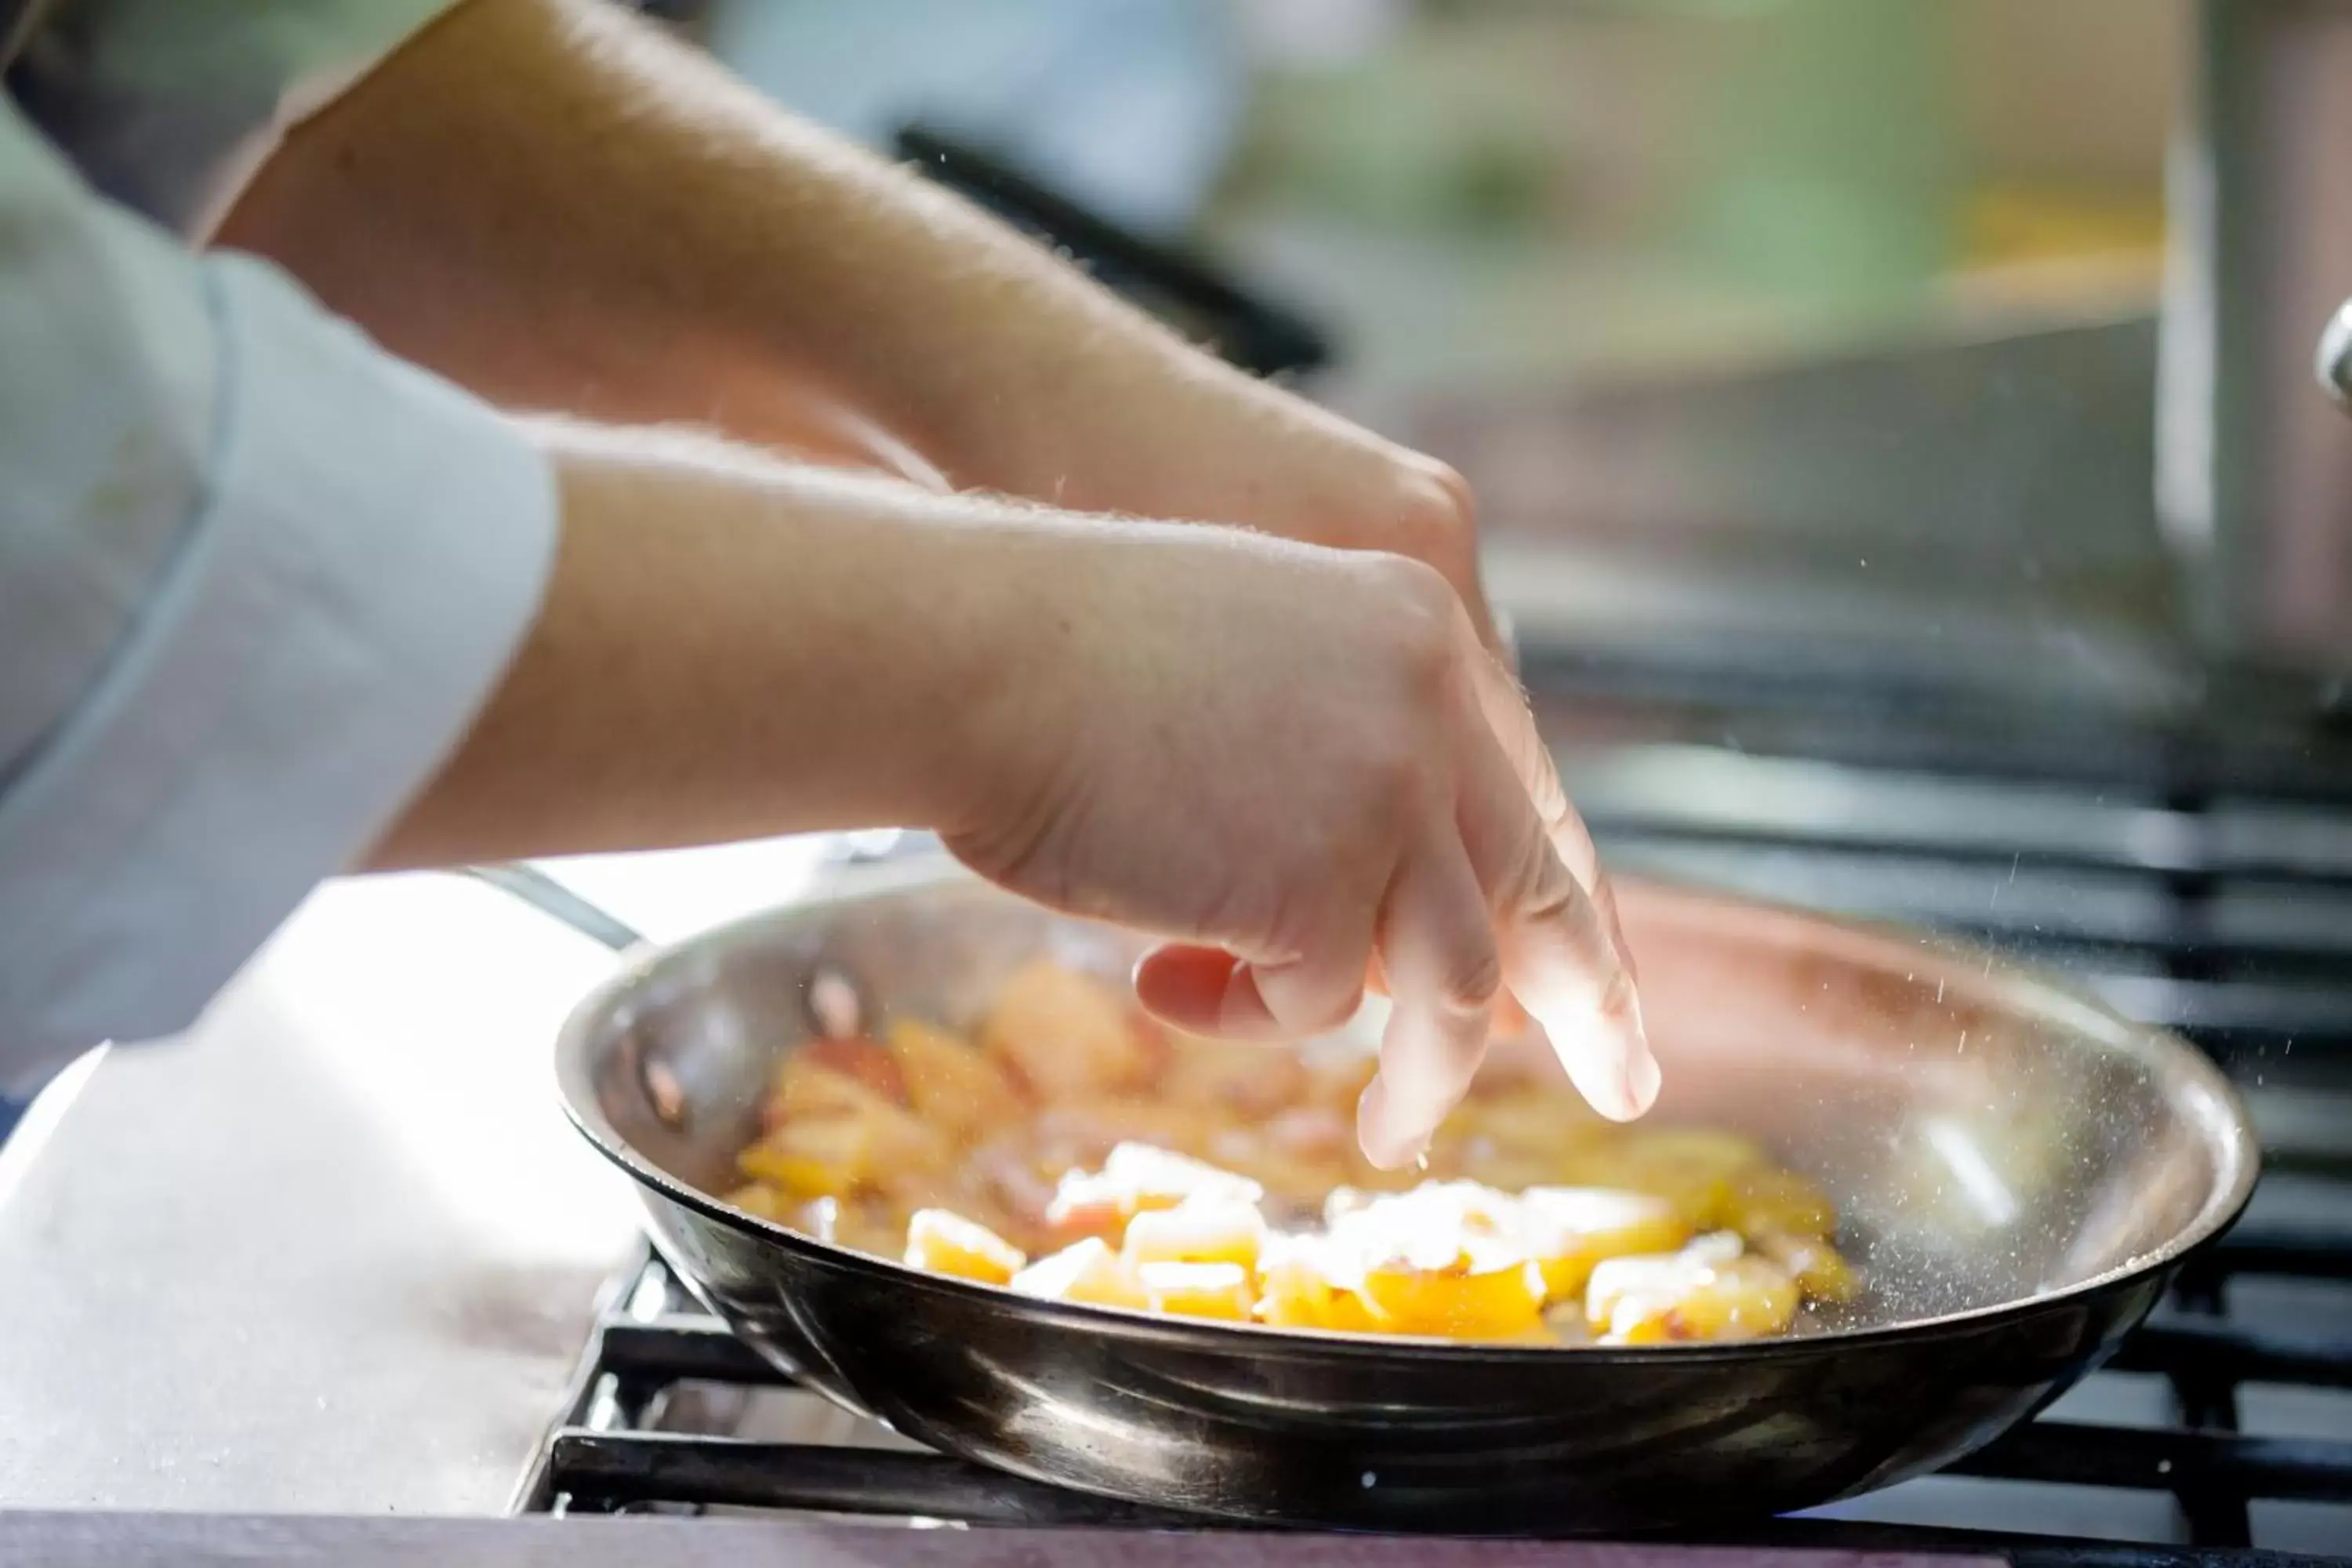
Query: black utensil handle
[{"x": 1253, "y": 334}]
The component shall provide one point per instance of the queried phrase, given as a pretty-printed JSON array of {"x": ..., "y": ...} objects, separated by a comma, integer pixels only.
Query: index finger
[
  {"x": 1558, "y": 956},
  {"x": 1504, "y": 705}
]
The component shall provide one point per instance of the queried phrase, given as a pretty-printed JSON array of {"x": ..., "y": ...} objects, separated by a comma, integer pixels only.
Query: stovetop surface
[
  {"x": 2225, "y": 1425},
  {"x": 2202, "y": 885}
]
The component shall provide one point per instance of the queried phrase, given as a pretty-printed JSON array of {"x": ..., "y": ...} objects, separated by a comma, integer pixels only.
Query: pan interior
[{"x": 1988, "y": 1138}]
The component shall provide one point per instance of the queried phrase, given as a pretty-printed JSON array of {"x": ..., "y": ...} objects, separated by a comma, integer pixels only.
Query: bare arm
[
  {"x": 733, "y": 646},
  {"x": 550, "y": 201}
]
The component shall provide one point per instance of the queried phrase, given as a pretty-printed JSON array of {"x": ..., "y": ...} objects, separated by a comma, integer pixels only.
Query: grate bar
[
  {"x": 2071, "y": 1453},
  {"x": 2301, "y": 1252},
  {"x": 2232, "y": 1354},
  {"x": 686, "y": 1345},
  {"x": 2218, "y": 1515},
  {"x": 2176, "y": 854},
  {"x": 639, "y": 1467}
]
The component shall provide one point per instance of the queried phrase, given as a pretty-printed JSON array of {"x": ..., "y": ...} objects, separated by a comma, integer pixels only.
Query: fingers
[
  {"x": 1506, "y": 706},
  {"x": 1509, "y": 716},
  {"x": 1558, "y": 955},
  {"x": 1202, "y": 991},
  {"x": 1210, "y": 991},
  {"x": 1572, "y": 841},
  {"x": 1560, "y": 965},
  {"x": 1437, "y": 948}
]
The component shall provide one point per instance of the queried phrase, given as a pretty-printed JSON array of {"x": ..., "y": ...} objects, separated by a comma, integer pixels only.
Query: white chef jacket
[{"x": 257, "y": 576}]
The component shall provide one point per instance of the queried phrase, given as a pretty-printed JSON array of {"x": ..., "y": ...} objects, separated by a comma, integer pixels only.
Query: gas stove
[
  {"x": 2200, "y": 1436},
  {"x": 2219, "y": 903}
]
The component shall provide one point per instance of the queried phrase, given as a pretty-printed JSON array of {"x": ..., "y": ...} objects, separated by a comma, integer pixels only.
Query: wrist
[{"x": 1007, "y": 647}]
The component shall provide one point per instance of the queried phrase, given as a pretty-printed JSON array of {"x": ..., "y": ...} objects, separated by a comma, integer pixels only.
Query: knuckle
[
  {"x": 1543, "y": 890},
  {"x": 1253, "y": 907},
  {"x": 1436, "y": 519},
  {"x": 1474, "y": 978},
  {"x": 1435, "y": 497},
  {"x": 1413, "y": 585},
  {"x": 1331, "y": 1008},
  {"x": 1417, "y": 609},
  {"x": 1392, "y": 773}
]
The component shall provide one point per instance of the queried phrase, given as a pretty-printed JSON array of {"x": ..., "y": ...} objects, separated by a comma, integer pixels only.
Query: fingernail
[
  {"x": 1607, "y": 1053},
  {"x": 1389, "y": 1145},
  {"x": 1642, "y": 1079},
  {"x": 1637, "y": 1069}
]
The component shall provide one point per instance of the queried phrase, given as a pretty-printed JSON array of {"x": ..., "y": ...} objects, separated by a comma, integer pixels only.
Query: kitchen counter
[
  {"x": 335, "y": 1249},
  {"x": 136, "y": 1541}
]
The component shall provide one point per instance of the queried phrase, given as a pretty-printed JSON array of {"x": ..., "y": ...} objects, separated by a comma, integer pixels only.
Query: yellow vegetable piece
[
  {"x": 1296, "y": 1291},
  {"x": 1242, "y": 1079},
  {"x": 1569, "y": 1230},
  {"x": 1066, "y": 1115},
  {"x": 761, "y": 1199},
  {"x": 1086, "y": 1271},
  {"x": 1534, "y": 1120},
  {"x": 952, "y": 1084},
  {"x": 1437, "y": 1228},
  {"x": 1695, "y": 1168},
  {"x": 941, "y": 1242},
  {"x": 806, "y": 1089},
  {"x": 1819, "y": 1271},
  {"x": 1138, "y": 1178},
  {"x": 830, "y": 1155},
  {"x": 1199, "y": 1289},
  {"x": 1709, "y": 1291},
  {"x": 797, "y": 1175},
  {"x": 1350, "y": 1313},
  {"x": 1223, "y": 1230},
  {"x": 1066, "y": 1034},
  {"x": 865, "y": 1226},
  {"x": 1293, "y": 1294},
  {"x": 1501, "y": 1303},
  {"x": 1771, "y": 1199},
  {"x": 1693, "y": 1149}
]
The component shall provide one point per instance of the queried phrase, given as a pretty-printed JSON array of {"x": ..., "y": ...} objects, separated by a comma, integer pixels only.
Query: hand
[
  {"x": 1183, "y": 435},
  {"x": 1290, "y": 760}
]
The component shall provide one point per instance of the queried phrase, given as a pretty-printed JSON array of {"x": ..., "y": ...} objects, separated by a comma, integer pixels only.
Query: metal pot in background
[{"x": 2254, "y": 471}]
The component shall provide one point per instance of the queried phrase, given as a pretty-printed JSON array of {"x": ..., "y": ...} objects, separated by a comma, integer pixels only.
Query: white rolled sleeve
[{"x": 256, "y": 578}]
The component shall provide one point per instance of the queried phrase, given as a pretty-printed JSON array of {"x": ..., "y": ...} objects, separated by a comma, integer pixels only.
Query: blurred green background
[{"x": 1504, "y": 188}]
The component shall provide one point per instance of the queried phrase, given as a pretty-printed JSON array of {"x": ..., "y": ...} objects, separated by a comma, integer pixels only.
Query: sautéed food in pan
[{"x": 1071, "y": 1149}]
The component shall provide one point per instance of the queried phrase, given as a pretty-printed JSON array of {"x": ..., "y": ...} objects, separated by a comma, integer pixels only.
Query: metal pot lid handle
[{"x": 2334, "y": 362}]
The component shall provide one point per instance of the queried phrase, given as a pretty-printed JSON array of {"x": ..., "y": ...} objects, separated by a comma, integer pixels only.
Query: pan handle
[
  {"x": 551, "y": 897},
  {"x": 545, "y": 894}
]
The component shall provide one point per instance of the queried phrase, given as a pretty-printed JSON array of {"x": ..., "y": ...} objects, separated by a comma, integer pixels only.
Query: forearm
[
  {"x": 545, "y": 200},
  {"x": 557, "y": 207},
  {"x": 732, "y": 647}
]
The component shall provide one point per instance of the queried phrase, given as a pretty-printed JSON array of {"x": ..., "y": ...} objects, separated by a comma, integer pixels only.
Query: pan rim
[{"x": 2231, "y": 1141}]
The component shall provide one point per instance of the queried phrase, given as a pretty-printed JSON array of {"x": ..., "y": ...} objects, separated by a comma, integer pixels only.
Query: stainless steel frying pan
[{"x": 2021, "y": 1171}]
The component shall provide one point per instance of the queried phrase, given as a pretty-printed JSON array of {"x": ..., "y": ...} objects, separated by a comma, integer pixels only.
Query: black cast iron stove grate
[
  {"x": 610, "y": 1453},
  {"x": 2221, "y": 905}
]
